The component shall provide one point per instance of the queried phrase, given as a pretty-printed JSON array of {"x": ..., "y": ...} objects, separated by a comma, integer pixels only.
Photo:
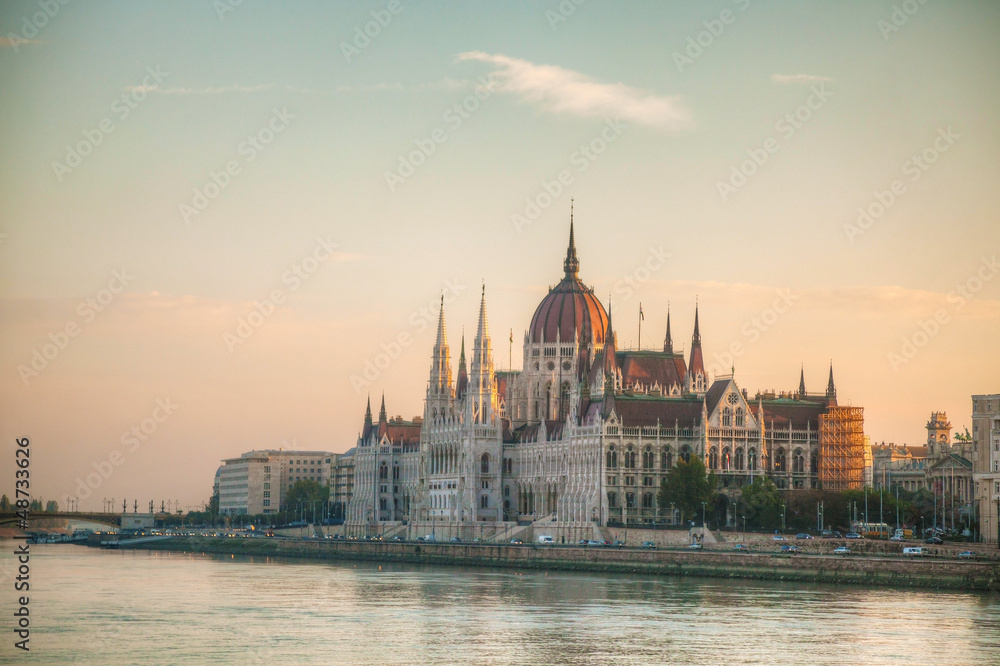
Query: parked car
[
  {"x": 803, "y": 535},
  {"x": 649, "y": 544},
  {"x": 830, "y": 534},
  {"x": 742, "y": 547},
  {"x": 967, "y": 555},
  {"x": 695, "y": 546},
  {"x": 842, "y": 550},
  {"x": 789, "y": 549},
  {"x": 936, "y": 541},
  {"x": 778, "y": 537},
  {"x": 895, "y": 537},
  {"x": 852, "y": 535}
]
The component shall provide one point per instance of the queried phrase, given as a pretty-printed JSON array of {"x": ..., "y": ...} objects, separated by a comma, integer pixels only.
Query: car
[
  {"x": 477, "y": 540},
  {"x": 936, "y": 541},
  {"x": 896, "y": 538},
  {"x": 842, "y": 550},
  {"x": 742, "y": 547},
  {"x": 649, "y": 544},
  {"x": 695, "y": 546},
  {"x": 803, "y": 535},
  {"x": 852, "y": 535},
  {"x": 593, "y": 543},
  {"x": 581, "y": 542},
  {"x": 456, "y": 540},
  {"x": 830, "y": 534},
  {"x": 617, "y": 544},
  {"x": 789, "y": 549},
  {"x": 967, "y": 555},
  {"x": 397, "y": 538},
  {"x": 516, "y": 542},
  {"x": 778, "y": 537}
]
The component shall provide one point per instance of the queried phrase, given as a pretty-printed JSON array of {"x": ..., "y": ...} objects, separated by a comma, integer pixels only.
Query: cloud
[
  {"x": 444, "y": 84},
  {"x": 562, "y": 91},
  {"x": 798, "y": 79}
]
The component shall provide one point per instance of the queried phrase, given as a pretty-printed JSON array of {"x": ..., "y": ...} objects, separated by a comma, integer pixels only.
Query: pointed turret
[
  {"x": 695, "y": 379},
  {"x": 383, "y": 420},
  {"x": 831, "y": 388},
  {"x": 668, "y": 340},
  {"x": 610, "y": 347},
  {"x": 481, "y": 377},
  {"x": 572, "y": 264},
  {"x": 367, "y": 430},
  {"x": 802, "y": 382},
  {"x": 440, "y": 379},
  {"x": 463, "y": 375}
]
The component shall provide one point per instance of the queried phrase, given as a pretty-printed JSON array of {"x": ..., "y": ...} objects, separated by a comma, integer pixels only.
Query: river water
[{"x": 140, "y": 607}]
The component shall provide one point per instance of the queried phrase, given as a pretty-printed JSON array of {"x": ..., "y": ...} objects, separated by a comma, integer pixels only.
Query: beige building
[
  {"x": 257, "y": 482},
  {"x": 986, "y": 441}
]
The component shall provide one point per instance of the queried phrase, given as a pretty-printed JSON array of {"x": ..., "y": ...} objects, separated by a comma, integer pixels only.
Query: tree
[
  {"x": 5, "y": 504},
  {"x": 306, "y": 492},
  {"x": 35, "y": 506},
  {"x": 760, "y": 502},
  {"x": 686, "y": 486},
  {"x": 51, "y": 506}
]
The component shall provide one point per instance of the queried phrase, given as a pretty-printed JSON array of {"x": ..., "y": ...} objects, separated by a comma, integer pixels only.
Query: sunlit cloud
[
  {"x": 443, "y": 84},
  {"x": 558, "y": 90}
]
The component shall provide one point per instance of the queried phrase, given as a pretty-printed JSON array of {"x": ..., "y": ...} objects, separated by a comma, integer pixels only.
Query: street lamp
[
  {"x": 782, "y": 517},
  {"x": 703, "y": 517}
]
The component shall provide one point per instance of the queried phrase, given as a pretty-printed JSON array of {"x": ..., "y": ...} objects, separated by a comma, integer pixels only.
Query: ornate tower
[
  {"x": 938, "y": 435},
  {"x": 695, "y": 380}
]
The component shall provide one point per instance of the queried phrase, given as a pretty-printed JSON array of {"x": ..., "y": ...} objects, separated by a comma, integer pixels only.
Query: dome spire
[{"x": 572, "y": 264}]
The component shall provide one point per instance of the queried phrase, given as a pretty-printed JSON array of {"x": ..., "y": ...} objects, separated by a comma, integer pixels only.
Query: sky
[{"x": 224, "y": 225}]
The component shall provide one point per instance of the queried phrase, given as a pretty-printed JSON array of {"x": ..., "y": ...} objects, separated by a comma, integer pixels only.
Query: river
[{"x": 125, "y": 607}]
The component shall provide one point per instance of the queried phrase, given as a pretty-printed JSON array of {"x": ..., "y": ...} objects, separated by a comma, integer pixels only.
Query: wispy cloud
[
  {"x": 797, "y": 79},
  {"x": 564, "y": 91}
]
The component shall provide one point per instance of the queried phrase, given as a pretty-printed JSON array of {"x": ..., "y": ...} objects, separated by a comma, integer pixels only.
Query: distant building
[
  {"x": 899, "y": 465},
  {"x": 137, "y": 521},
  {"x": 258, "y": 481},
  {"x": 986, "y": 473}
]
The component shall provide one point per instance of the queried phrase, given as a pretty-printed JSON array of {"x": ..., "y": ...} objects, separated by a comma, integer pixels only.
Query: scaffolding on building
[{"x": 842, "y": 448}]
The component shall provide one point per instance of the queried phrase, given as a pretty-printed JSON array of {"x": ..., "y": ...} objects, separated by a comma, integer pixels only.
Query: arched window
[
  {"x": 713, "y": 459},
  {"x": 612, "y": 458},
  {"x": 647, "y": 500},
  {"x": 484, "y": 502},
  {"x": 666, "y": 459},
  {"x": 739, "y": 459},
  {"x": 779, "y": 461},
  {"x": 727, "y": 417},
  {"x": 484, "y": 464},
  {"x": 630, "y": 458},
  {"x": 740, "y": 417},
  {"x": 814, "y": 462},
  {"x": 647, "y": 458},
  {"x": 612, "y": 500},
  {"x": 630, "y": 500},
  {"x": 798, "y": 462},
  {"x": 383, "y": 471},
  {"x": 395, "y": 472},
  {"x": 686, "y": 453}
]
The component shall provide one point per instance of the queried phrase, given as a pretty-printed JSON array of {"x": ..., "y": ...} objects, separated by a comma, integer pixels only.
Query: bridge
[{"x": 9, "y": 518}]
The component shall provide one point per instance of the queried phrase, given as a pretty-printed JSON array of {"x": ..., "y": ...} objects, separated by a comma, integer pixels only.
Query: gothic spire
[
  {"x": 381, "y": 412},
  {"x": 696, "y": 364},
  {"x": 463, "y": 375},
  {"x": 668, "y": 341},
  {"x": 572, "y": 264},
  {"x": 802, "y": 381},
  {"x": 831, "y": 389}
]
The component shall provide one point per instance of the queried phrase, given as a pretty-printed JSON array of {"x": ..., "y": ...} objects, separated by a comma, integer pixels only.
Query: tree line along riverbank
[{"x": 850, "y": 570}]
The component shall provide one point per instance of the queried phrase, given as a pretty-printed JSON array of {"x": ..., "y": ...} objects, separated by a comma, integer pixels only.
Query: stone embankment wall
[{"x": 898, "y": 572}]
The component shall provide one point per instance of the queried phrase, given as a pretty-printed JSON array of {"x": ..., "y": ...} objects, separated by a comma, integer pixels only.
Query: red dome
[{"x": 570, "y": 308}]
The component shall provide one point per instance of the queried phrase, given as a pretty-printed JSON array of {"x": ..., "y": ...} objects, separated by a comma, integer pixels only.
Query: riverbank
[{"x": 850, "y": 570}]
